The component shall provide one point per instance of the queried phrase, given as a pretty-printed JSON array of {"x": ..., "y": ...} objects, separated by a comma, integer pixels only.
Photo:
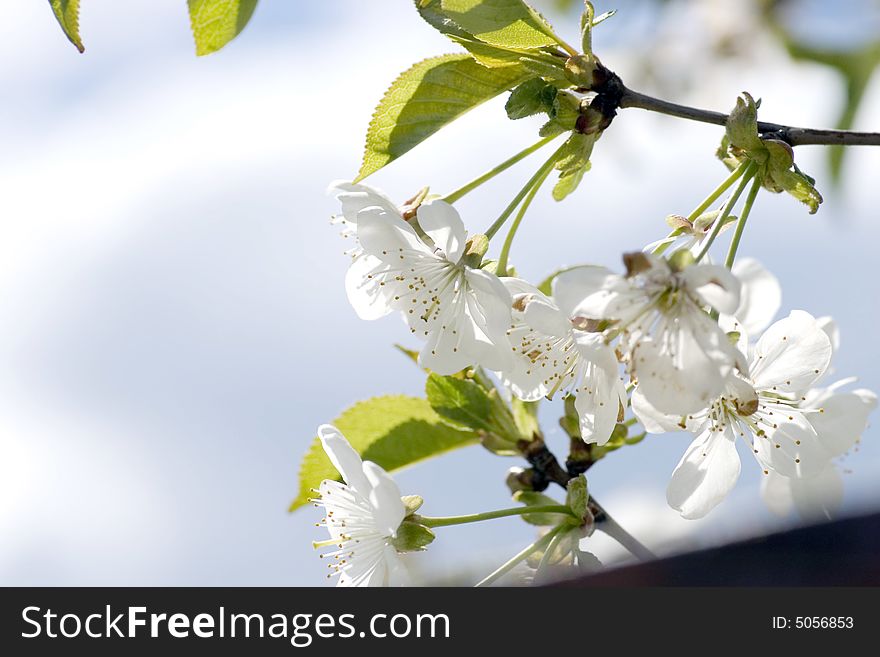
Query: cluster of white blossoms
[{"x": 668, "y": 336}]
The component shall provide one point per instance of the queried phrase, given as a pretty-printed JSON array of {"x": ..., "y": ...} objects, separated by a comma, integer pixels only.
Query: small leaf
[
  {"x": 577, "y": 496},
  {"x": 742, "y": 125},
  {"x": 525, "y": 414},
  {"x": 573, "y": 163},
  {"x": 461, "y": 402},
  {"x": 425, "y": 98},
  {"x": 531, "y": 498},
  {"x": 393, "y": 431},
  {"x": 67, "y": 14},
  {"x": 531, "y": 97},
  {"x": 499, "y": 22},
  {"x": 217, "y": 22}
]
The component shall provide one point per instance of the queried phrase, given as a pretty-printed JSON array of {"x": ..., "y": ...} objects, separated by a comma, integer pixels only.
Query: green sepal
[{"x": 412, "y": 537}]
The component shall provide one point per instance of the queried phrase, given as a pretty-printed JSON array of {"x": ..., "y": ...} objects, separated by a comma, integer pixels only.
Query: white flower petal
[
  {"x": 344, "y": 458},
  {"x": 790, "y": 445},
  {"x": 760, "y": 295},
  {"x": 776, "y": 493},
  {"x": 843, "y": 419},
  {"x": 444, "y": 226},
  {"x": 791, "y": 355},
  {"x": 369, "y": 299},
  {"x": 705, "y": 475},
  {"x": 685, "y": 368},
  {"x": 398, "y": 575},
  {"x": 388, "y": 509},
  {"x": 572, "y": 289},
  {"x": 388, "y": 237},
  {"x": 601, "y": 393},
  {"x": 542, "y": 315},
  {"x": 442, "y": 355},
  {"x": 651, "y": 419},
  {"x": 815, "y": 498},
  {"x": 818, "y": 498},
  {"x": 355, "y": 197},
  {"x": 715, "y": 285},
  {"x": 827, "y": 324}
]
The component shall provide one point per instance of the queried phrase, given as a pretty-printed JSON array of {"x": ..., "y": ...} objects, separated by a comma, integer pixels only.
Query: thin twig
[{"x": 792, "y": 135}]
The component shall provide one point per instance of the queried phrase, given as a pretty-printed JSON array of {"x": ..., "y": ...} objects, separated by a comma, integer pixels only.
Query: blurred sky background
[{"x": 174, "y": 322}]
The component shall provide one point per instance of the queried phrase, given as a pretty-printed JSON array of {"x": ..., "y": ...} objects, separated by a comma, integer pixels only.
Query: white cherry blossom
[
  {"x": 555, "y": 355},
  {"x": 461, "y": 312},
  {"x": 676, "y": 351},
  {"x": 764, "y": 411},
  {"x": 362, "y": 515}
]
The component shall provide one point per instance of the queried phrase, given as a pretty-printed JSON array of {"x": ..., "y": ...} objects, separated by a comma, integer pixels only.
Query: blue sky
[{"x": 175, "y": 323}]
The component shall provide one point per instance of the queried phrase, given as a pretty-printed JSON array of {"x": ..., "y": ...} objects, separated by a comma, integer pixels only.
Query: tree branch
[{"x": 792, "y": 135}]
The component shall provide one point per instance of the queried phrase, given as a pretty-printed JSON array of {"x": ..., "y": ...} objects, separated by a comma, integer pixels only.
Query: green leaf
[
  {"x": 499, "y": 22},
  {"x": 491, "y": 56},
  {"x": 425, "y": 98},
  {"x": 459, "y": 401},
  {"x": 67, "y": 14},
  {"x": 742, "y": 125},
  {"x": 531, "y": 97},
  {"x": 217, "y": 22},
  {"x": 525, "y": 415},
  {"x": 577, "y": 496},
  {"x": 531, "y": 498},
  {"x": 573, "y": 163},
  {"x": 393, "y": 431}
]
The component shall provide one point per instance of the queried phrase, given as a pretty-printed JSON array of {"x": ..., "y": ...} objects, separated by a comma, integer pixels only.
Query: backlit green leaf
[
  {"x": 425, "y": 98},
  {"x": 217, "y": 22},
  {"x": 393, "y": 431},
  {"x": 67, "y": 14}
]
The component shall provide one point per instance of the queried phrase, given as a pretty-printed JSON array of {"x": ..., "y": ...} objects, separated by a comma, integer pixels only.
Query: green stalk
[
  {"x": 735, "y": 175},
  {"x": 501, "y": 269},
  {"x": 511, "y": 563},
  {"x": 741, "y": 223},
  {"x": 491, "y": 173},
  {"x": 539, "y": 174},
  {"x": 725, "y": 212},
  {"x": 446, "y": 521}
]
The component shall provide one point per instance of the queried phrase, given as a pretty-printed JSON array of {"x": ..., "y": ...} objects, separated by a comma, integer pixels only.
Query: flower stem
[
  {"x": 539, "y": 175},
  {"x": 501, "y": 269},
  {"x": 491, "y": 173},
  {"x": 728, "y": 206},
  {"x": 608, "y": 525},
  {"x": 490, "y": 515},
  {"x": 741, "y": 224},
  {"x": 735, "y": 175},
  {"x": 519, "y": 556}
]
